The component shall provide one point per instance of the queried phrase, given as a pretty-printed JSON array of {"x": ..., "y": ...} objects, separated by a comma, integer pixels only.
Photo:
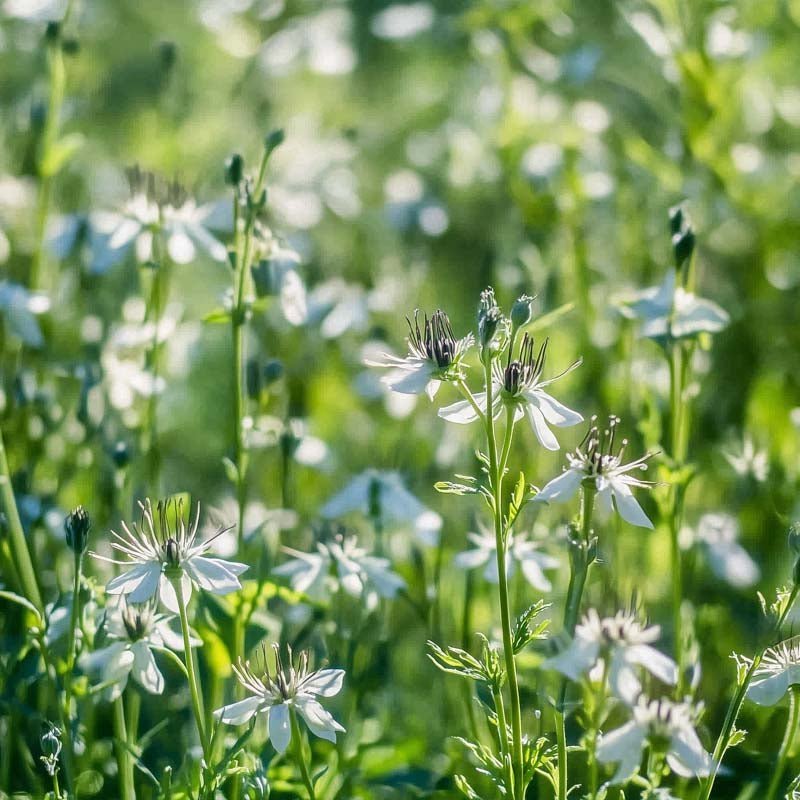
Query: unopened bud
[
  {"x": 173, "y": 553},
  {"x": 676, "y": 218},
  {"x": 683, "y": 245},
  {"x": 273, "y": 139},
  {"x": 121, "y": 455},
  {"x": 234, "y": 170},
  {"x": 77, "y": 526},
  {"x": 521, "y": 311}
]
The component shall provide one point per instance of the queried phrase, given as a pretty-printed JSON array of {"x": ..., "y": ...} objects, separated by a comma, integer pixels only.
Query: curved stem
[
  {"x": 786, "y": 745},
  {"x": 299, "y": 756},
  {"x": 496, "y": 470},
  {"x": 194, "y": 682}
]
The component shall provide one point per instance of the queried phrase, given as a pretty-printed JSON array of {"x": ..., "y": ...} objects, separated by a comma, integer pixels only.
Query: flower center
[{"x": 434, "y": 340}]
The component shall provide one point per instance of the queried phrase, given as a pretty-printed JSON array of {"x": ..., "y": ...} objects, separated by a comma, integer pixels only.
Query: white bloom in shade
[
  {"x": 520, "y": 386},
  {"x": 779, "y": 669},
  {"x": 667, "y": 726},
  {"x": 749, "y": 461},
  {"x": 356, "y": 572},
  {"x": 621, "y": 643},
  {"x": 671, "y": 310},
  {"x": 594, "y": 460},
  {"x": 19, "y": 308},
  {"x": 382, "y": 495},
  {"x": 277, "y": 693},
  {"x": 718, "y": 533},
  {"x": 519, "y": 551},
  {"x": 163, "y": 547},
  {"x": 134, "y": 631},
  {"x": 434, "y": 355}
]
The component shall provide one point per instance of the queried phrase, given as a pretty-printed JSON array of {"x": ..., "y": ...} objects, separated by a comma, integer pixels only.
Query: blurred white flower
[
  {"x": 280, "y": 693},
  {"x": 258, "y": 520},
  {"x": 292, "y": 436},
  {"x": 619, "y": 644},
  {"x": 382, "y": 495},
  {"x": 19, "y": 308},
  {"x": 749, "y": 461},
  {"x": 671, "y": 310},
  {"x": 594, "y": 460},
  {"x": 661, "y": 721},
  {"x": 338, "y": 307},
  {"x": 778, "y": 670},
  {"x": 519, "y": 386},
  {"x": 135, "y": 632},
  {"x": 340, "y": 563},
  {"x": 718, "y": 534},
  {"x": 519, "y": 551},
  {"x": 434, "y": 355},
  {"x": 163, "y": 547},
  {"x": 403, "y": 20}
]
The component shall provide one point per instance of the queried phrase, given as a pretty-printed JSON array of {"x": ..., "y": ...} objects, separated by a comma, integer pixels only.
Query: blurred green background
[{"x": 431, "y": 149}]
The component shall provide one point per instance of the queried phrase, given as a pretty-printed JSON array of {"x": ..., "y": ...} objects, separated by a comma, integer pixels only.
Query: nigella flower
[
  {"x": 595, "y": 460},
  {"x": 519, "y": 385},
  {"x": 356, "y": 571},
  {"x": 275, "y": 693},
  {"x": 666, "y": 725},
  {"x": 619, "y": 643},
  {"x": 134, "y": 632},
  {"x": 164, "y": 547},
  {"x": 718, "y": 534},
  {"x": 434, "y": 355},
  {"x": 671, "y": 310},
  {"x": 519, "y": 551},
  {"x": 382, "y": 495},
  {"x": 779, "y": 669}
]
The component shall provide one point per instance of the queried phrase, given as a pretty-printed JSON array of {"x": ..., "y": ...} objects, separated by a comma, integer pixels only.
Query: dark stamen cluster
[
  {"x": 524, "y": 371},
  {"x": 597, "y": 446},
  {"x": 137, "y": 621},
  {"x": 157, "y": 189},
  {"x": 434, "y": 340}
]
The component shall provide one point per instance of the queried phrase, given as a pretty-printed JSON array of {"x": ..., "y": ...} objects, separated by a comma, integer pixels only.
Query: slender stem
[
  {"x": 299, "y": 756},
  {"x": 577, "y": 581},
  {"x": 191, "y": 669},
  {"x": 75, "y": 616},
  {"x": 502, "y": 735},
  {"x": 20, "y": 555},
  {"x": 737, "y": 700},
  {"x": 792, "y": 722},
  {"x": 123, "y": 756},
  {"x": 496, "y": 469},
  {"x": 56, "y": 787}
]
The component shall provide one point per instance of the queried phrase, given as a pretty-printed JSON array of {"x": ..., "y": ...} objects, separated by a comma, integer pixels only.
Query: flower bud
[
  {"x": 77, "y": 526},
  {"x": 273, "y": 139},
  {"x": 521, "y": 311},
  {"x": 676, "y": 218},
  {"x": 234, "y": 170},
  {"x": 683, "y": 245},
  {"x": 52, "y": 32},
  {"x": 489, "y": 319},
  {"x": 121, "y": 454},
  {"x": 51, "y": 749},
  {"x": 273, "y": 371}
]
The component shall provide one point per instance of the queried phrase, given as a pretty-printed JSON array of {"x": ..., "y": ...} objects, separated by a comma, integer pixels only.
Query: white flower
[
  {"x": 671, "y": 310},
  {"x": 357, "y": 572},
  {"x": 779, "y": 669},
  {"x": 718, "y": 534},
  {"x": 276, "y": 694},
  {"x": 382, "y": 494},
  {"x": 749, "y": 461},
  {"x": 134, "y": 632},
  {"x": 519, "y": 550},
  {"x": 619, "y": 643},
  {"x": 594, "y": 460},
  {"x": 520, "y": 386},
  {"x": 258, "y": 520},
  {"x": 339, "y": 307},
  {"x": 154, "y": 206},
  {"x": 19, "y": 308},
  {"x": 666, "y": 725},
  {"x": 434, "y": 355},
  {"x": 162, "y": 548}
]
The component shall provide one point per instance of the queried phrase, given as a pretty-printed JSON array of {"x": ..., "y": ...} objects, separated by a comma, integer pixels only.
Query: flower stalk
[
  {"x": 789, "y": 734},
  {"x": 299, "y": 755},
  {"x": 124, "y": 765}
]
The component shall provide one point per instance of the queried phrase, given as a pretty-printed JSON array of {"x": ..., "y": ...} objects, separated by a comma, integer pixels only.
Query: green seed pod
[{"x": 521, "y": 312}]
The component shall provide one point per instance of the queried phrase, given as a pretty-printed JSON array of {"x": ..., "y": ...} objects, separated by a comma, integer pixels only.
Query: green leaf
[
  {"x": 89, "y": 783},
  {"x": 447, "y": 487},
  {"x": 526, "y": 629},
  {"x": 60, "y": 153},
  {"x": 218, "y": 316},
  {"x": 231, "y": 470},
  {"x": 22, "y": 601}
]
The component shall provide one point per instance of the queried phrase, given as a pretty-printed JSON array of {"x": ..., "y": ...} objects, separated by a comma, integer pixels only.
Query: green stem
[
  {"x": 297, "y": 742},
  {"x": 20, "y": 555},
  {"x": 502, "y": 735},
  {"x": 579, "y": 572},
  {"x": 600, "y": 699},
  {"x": 516, "y": 791},
  {"x": 737, "y": 700},
  {"x": 56, "y": 787},
  {"x": 123, "y": 756},
  {"x": 73, "y": 626},
  {"x": 191, "y": 669},
  {"x": 792, "y": 722}
]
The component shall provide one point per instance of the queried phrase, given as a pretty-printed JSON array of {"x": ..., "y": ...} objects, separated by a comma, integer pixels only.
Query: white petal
[
  {"x": 470, "y": 559},
  {"x": 239, "y": 713},
  {"x": 319, "y": 721},
  {"x": 627, "y": 505},
  {"x": 575, "y": 660},
  {"x": 280, "y": 730},
  {"x": 687, "y": 751},
  {"x": 624, "y": 745},
  {"x": 180, "y": 247},
  {"x": 534, "y": 575},
  {"x": 562, "y": 488},
  {"x": 168, "y": 596},
  {"x": 622, "y": 679},
  {"x": 770, "y": 690},
  {"x": 128, "y": 229},
  {"x": 413, "y": 380},
  {"x": 212, "y": 574},
  {"x": 557, "y": 413},
  {"x": 326, "y": 682},
  {"x": 655, "y": 662},
  {"x": 145, "y": 671},
  {"x": 539, "y": 425},
  {"x": 463, "y": 412},
  {"x": 139, "y": 583}
]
